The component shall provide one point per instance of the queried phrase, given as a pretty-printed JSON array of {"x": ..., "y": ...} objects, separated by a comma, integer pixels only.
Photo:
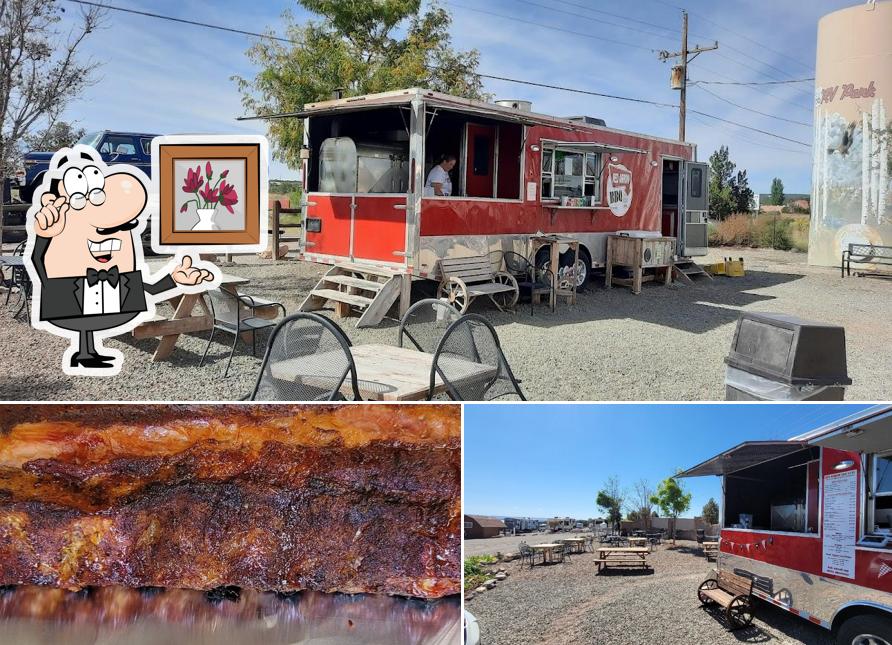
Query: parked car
[{"x": 133, "y": 148}]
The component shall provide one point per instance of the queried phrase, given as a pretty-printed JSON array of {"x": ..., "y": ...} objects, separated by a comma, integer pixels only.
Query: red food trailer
[
  {"x": 809, "y": 520},
  {"x": 518, "y": 174}
]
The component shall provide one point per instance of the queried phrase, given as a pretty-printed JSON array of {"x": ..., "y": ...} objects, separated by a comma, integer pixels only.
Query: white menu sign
[{"x": 840, "y": 504}]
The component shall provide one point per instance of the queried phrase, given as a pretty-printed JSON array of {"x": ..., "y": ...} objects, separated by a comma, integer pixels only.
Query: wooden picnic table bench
[
  {"x": 710, "y": 549},
  {"x": 464, "y": 279},
  {"x": 622, "y": 556},
  {"x": 731, "y": 591}
]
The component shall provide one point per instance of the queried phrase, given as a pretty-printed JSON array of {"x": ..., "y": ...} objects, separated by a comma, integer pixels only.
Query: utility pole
[{"x": 680, "y": 72}]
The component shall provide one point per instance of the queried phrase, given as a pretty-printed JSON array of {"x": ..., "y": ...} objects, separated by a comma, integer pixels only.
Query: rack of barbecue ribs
[{"x": 351, "y": 498}]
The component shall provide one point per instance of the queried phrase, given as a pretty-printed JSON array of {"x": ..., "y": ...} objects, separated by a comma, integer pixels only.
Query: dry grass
[{"x": 778, "y": 231}]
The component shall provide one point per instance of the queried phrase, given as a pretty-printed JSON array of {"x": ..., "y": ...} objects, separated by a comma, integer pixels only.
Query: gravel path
[
  {"x": 665, "y": 344},
  {"x": 571, "y": 603}
]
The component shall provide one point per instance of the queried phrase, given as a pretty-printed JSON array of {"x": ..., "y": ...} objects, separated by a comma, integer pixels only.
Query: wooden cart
[{"x": 638, "y": 254}]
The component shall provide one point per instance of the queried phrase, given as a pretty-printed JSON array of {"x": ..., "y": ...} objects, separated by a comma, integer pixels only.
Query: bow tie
[{"x": 110, "y": 276}]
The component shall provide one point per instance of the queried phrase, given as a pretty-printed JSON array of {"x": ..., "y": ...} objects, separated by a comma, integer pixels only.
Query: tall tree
[
  {"x": 41, "y": 70},
  {"x": 711, "y": 512},
  {"x": 777, "y": 192},
  {"x": 672, "y": 500},
  {"x": 611, "y": 499},
  {"x": 642, "y": 505},
  {"x": 729, "y": 190},
  {"x": 360, "y": 48},
  {"x": 61, "y": 134}
]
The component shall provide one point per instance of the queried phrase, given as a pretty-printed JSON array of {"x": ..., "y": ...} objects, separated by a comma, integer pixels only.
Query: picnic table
[
  {"x": 637, "y": 541},
  {"x": 710, "y": 549},
  {"x": 385, "y": 372},
  {"x": 183, "y": 321},
  {"x": 546, "y": 549},
  {"x": 622, "y": 556},
  {"x": 576, "y": 543}
]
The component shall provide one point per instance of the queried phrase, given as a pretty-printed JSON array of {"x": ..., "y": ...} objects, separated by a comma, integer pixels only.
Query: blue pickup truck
[{"x": 133, "y": 148}]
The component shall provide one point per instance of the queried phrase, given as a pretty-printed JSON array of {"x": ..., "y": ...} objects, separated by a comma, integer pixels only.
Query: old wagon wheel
[
  {"x": 707, "y": 584},
  {"x": 505, "y": 299},
  {"x": 740, "y": 611},
  {"x": 455, "y": 292}
]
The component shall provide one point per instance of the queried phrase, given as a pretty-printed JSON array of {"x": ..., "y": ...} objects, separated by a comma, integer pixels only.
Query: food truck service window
[
  {"x": 881, "y": 486},
  {"x": 777, "y": 495},
  {"x": 570, "y": 172}
]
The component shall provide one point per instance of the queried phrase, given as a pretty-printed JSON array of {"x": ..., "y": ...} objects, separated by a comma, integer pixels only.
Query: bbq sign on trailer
[{"x": 619, "y": 189}]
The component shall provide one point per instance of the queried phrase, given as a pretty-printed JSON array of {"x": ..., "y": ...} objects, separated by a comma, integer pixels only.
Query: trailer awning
[
  {"x": 584, "y": 146},
  {"x": 745, "y": 455},
  {"x": 869, "y": 435}
]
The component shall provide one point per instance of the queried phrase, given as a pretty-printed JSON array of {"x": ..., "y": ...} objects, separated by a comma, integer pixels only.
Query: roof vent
[
  {"x": 587, "y": 120},
  {"x": 515, "y": 104}
]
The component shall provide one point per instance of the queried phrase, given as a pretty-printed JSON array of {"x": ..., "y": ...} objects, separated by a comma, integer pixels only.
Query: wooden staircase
[
  {"x": 687, "y": 271},
  {"x": 365, "y": 289}
]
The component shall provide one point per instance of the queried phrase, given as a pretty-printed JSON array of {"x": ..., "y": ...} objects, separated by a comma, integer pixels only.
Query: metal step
[
  {"x": 685, "y": 270},
  {"x": 350, "y": 281}
]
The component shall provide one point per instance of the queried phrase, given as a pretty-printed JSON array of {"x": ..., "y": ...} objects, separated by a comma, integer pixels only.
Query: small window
[
  {"x": 118, "y": 146},
  {"x": 696, "y": 182},
  {"x": 481, "y": 156},
  {"x": 883, "y": 484},
  {"x": 569, "y": 172},
  {"x": 146, "y": 145}
]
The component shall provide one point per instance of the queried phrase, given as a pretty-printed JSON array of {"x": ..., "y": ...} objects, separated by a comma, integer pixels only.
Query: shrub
[
  {"x": 475, "y": 571},
  {"x": 734, "y": 230},
  {"x": 771, "y": 230}
]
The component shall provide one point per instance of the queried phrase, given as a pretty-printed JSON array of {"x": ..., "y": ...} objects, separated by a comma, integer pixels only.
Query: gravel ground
[
  {"x": 571, "y": 603},
  {"x": 665, "y": 344}
]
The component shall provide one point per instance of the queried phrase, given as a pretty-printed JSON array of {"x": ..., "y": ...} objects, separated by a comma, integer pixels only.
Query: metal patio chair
[
  {"x": 424, "y": 324},
  {"x": 235, "y": 314},
  {"x": 19, "y": 279},
  {"x": 531, "y": 280},
  {"x": 470, "y": 362},
  {"x": 307, "y": 359}
]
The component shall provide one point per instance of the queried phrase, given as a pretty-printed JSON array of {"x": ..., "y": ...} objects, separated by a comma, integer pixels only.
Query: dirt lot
[
  {"x": 665, "y": 344},
  {"x": 571, "y": 603}
]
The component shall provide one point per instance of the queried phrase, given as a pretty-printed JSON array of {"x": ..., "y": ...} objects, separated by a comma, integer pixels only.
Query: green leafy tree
[
  {"x": 358, "y": 48},
  {"x": 672, "y": 500},
  {"x": 611, "y": 498},
  {"x": 711, "y": 512},
  {"x": 729, "y": 190},
  {"x": 777, "y": 192}
]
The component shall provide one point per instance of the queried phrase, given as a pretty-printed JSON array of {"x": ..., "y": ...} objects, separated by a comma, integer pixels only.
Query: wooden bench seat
[
  {"x": 463, "y": 279},
  {"x": 731, "y": 591}
]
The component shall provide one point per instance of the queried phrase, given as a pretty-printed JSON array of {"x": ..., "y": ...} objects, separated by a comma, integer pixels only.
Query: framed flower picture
[{"x": 211, "y": 192}]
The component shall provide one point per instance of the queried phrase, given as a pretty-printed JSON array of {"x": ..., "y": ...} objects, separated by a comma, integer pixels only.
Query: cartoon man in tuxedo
[{"x": 86, "y": 257}]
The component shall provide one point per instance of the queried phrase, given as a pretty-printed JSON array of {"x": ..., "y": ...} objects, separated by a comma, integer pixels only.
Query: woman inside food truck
[{"x": 438, "y": 180}]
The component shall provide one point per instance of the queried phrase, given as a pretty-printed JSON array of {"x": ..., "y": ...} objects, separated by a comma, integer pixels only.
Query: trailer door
[
  {"x": 696, "y": 208},
  {"x": 480, "y": 161}
]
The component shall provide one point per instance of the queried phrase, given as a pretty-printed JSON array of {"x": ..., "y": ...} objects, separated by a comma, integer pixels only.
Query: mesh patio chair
[
  {"x": 701, "y": 535},
  {"x": 235, "y": 314},
  {"x": 307, "y": 359},
  {"x": 19, "y": 279},
  {"x": 526, "y": 554},
  {"x": 589, "y": 544},
  {"x": 559, "y": 554},
  {"x": 424, "y": 324},
  {"x": 531, "y": 280},
  {"x": 470, "y": 362}
]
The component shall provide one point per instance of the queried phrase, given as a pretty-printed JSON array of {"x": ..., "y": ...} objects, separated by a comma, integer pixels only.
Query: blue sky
[
  {"x": 548, "y": 460},
  {"x": 165, "y": 77}
]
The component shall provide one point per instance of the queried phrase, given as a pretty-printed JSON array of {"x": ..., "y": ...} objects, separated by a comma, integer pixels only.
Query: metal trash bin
[{"x": 776, "y": 357}]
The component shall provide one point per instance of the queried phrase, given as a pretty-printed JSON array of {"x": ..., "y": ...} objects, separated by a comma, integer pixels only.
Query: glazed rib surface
[{"x": 328, "y": 498}]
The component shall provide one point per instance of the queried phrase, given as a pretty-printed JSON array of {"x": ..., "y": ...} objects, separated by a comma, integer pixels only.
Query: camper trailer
[
  {"x": 518, "y": 174},
  {"x": 809, "y": 520}
]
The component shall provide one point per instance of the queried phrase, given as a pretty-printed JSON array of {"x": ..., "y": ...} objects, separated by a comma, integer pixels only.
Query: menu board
[{"x": 840, "y": 529}]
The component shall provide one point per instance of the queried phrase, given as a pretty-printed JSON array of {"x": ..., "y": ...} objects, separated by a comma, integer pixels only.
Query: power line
[
  {"x": 736, "y": 33},
  {"x": 184, "y": 21},
  {"x": 734, "y": 133},
  {"x": 552, "y": 27},
  {"x": 638, "y": 100},
  {"x": 599, "y": 21},
  {"x": 749, "y": 109},
  {"x": 616, "y": 15},
  {"x": 793, "y": 80}
]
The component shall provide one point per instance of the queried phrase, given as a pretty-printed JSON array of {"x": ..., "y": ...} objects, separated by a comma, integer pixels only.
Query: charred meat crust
[{"x": 380, "y": 515}]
